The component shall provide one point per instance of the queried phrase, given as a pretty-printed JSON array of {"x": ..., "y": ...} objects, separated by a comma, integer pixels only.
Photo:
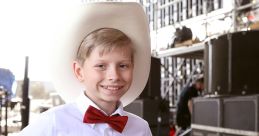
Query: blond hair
[{"x": 106, "y": 38}]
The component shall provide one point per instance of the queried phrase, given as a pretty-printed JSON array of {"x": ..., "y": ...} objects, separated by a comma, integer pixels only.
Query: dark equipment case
[{"x": 232, "y": 64}]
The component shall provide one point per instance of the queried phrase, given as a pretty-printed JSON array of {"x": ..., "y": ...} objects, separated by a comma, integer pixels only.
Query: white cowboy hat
[{"x": 78, "y": 22}]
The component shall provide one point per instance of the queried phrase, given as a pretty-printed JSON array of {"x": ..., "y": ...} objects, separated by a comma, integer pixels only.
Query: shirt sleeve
[{"x": 42, "y": 126}]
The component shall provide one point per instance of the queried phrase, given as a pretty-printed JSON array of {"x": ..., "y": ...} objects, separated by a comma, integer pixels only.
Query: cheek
[
  {"x": 91, "y": 75},
  {"x": 92, "y": 80},
  {"x": 129, "y": 76}
]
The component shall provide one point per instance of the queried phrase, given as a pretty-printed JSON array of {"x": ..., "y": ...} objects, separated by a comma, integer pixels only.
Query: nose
[{"x": 113, "y": 74}]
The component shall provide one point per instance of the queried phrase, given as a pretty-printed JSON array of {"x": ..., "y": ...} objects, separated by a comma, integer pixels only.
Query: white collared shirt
[{"x": 67, "y": 120}]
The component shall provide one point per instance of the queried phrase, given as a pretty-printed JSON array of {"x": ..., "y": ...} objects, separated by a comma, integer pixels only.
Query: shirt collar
[{"x": 83, "y": 102}]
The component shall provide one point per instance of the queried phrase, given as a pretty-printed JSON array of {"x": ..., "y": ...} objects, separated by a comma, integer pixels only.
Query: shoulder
[
  {"x": 58, "y": 111},
  {"x": 193, "y": 91},
  {"x": 137, "y": 125},
  {"x": 188, "y": 90},
  {"x": 65, "y": 114},
  {"x": 46, "y": 123},
  {"x": 62, "y": 109},
  {"x": 135, "y": 118},
  {"x": 185, "y": 91}
]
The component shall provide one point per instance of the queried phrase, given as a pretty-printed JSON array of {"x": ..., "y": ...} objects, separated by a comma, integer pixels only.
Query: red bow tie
[{"x": 117, "y": 122}]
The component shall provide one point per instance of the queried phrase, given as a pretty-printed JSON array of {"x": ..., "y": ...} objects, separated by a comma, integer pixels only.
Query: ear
[{"x": 78, "y": 71}]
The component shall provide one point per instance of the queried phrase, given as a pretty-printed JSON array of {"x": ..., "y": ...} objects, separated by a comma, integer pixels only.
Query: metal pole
[
  {"x": 6, "y": 113},
  {"x": 1, "y": 104},
  {"x": 234, "y": 13},
  {"x": 25, "y": 110}
]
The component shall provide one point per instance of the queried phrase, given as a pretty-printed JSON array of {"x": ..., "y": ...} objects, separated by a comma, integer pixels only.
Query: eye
[
  {"x": 124, "y": 66},
  {"x": 100, "y": 66}
]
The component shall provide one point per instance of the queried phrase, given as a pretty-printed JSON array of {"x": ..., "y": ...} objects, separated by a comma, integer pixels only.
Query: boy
[{"x": 112, "y": 62}]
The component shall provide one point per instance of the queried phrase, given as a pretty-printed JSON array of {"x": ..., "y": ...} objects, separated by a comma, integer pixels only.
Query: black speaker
[
  {"x": 152, "y": 88},
  {"x": 229, "y": 112},
  {"x": 207, "y": 111},
  {"x": 241, "y": 113},
  {"x": 163, "y": 130},
  {"x": 150, "y": 110},
  {"x": 232, "y": 63}
]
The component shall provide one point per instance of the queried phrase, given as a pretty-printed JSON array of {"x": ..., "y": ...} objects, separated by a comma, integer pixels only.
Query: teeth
[{"x": 111, "y": 87}]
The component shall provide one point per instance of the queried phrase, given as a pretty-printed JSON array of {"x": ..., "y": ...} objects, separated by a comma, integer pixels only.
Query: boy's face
[{"x": 107, "y": 76}]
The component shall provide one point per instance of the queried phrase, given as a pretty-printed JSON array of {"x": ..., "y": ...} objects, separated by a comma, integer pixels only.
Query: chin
[{"x": 112, "y": 99}]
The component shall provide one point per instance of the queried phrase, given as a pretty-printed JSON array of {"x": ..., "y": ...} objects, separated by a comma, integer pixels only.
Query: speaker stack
[
  {"x": 231, "y": 77},
  {"x": 230, "y": 112},
  {"x": 231, "y": 64}
]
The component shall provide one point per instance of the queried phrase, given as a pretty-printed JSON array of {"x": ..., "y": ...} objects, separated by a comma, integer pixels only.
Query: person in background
[
  {"x": 111, "y": 63},
  {"x": 7, "y": 83},
  {"x": 184, "y": 105}
]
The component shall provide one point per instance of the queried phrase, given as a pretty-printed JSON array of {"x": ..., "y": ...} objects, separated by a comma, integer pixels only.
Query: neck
[{"x": 107, "y": 107}]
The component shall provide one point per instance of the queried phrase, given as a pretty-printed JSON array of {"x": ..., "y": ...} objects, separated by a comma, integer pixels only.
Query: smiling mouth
[{"x": 112, "y": 87}]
